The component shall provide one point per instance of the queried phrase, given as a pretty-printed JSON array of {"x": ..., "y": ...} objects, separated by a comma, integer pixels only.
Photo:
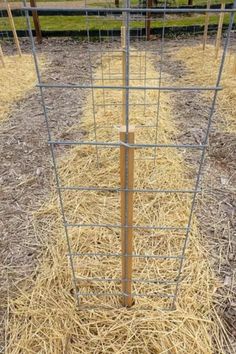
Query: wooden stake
[
  {"x": 234, "y": 65},
  {"x": 148, "y": 21},
  {"x": 123, "y": 40},
  {"x": 207, "y": 17},
  {"x": 2, "y": 56},
  {"x": 127, "y": 214},
  {"x": 13, "y": 28},
  {"x": 219, "y": 31},
  {"x": 36, "y": 22}
]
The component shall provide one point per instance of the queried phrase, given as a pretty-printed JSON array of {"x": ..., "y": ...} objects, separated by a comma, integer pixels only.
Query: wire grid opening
[{"x": 164, "y": 193}]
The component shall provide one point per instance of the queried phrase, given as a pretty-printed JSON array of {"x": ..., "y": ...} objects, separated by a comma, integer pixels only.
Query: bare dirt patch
[
  {"x": 26, "y": 168},
  {"x": 216, "y": 206}
]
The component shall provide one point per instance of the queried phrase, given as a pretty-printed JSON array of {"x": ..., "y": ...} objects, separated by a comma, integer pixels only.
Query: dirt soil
[
  {"x": 216, "y": 206},
  {"x": 26, "y": 171},
  {"x": 26, "y": 165}
]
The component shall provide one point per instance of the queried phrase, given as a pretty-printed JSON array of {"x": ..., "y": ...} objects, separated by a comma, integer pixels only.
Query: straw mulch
[
  {"x": 44, "y": 317},
  {"x": 203, "y": 70},
  {"x": 16, "y": 79}
]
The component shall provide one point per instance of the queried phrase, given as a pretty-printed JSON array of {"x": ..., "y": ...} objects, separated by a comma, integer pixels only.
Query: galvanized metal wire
[{"x": 126, "y": 13}]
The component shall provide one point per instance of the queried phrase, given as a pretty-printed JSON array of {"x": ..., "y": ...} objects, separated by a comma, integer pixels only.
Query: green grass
[
  {"x": 111, "y": 3},
  {"x": 200, "y": 2},
  {"x": 45, "y": 1},
  {"x": 59, "y": 23}
]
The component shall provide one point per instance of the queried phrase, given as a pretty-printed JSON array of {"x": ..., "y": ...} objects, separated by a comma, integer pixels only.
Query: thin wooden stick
[
  {"x": 13, "y": 28},
  {"x": 219, "y": 31},
  {"x": 234, "y": 65},
  {"x": 123, "y": 40},
  {"x": 2, "y": 56},
  {"x": 207, "y": 17},
  {"x": 148, "y": 21},
  {"x": 36, "y": 22},
  {"x": 127, "y": 214}
]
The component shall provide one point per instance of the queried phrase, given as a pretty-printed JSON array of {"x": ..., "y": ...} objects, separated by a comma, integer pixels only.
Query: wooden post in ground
[
  {"x": 13, "y": 28},
  {"x": 36, "y": 22},
  {"x": 123, "y": 40},
  {"x": 234, "y": 65},
  {"x": 207, "y": 16},
  {"x": 127, "y": 182},
  {"x": 219, "y": 31},
  {"x": 2, "y": 56},
  {"x": 148, "y": 21}
]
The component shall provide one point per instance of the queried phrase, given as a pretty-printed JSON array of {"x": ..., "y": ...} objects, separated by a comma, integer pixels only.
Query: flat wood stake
[
  {"x": 219, "y": 31},
  {"x": 148, "y": 21},
  {"x": 127, "y": 214},
  {"x": 36, "y": 22},
  {"x": 234, "y": 65},
  {"x": 13, "y": 28},
  {"x": 207, "y": 17},
  {"x": 2, "y": 56}
]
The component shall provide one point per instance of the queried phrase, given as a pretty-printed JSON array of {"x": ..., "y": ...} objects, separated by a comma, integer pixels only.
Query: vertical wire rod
[
  {"x": 93, "y": 105},
  {"x": 204, "y": 149},
  {"x": 160, "y": 81},
  {"x": 51, "y": 149},
  {"x": 103, "y": 91},
  {"x": 145, "y": 83},
  {"x": 87, "y": 27}
]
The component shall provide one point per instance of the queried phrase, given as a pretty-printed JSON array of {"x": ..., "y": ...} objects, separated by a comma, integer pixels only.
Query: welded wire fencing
[{"x": 128, "y": 210}]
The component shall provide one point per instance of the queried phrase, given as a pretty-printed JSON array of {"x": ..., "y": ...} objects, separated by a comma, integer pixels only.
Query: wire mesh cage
[{"x": 127, "y": 189}]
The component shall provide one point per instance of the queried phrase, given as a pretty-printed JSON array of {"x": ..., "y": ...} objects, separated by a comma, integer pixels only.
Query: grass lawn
[{"x": 59, "y": 23}]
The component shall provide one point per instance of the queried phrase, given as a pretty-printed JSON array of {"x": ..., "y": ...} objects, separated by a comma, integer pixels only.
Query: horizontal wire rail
[
  {"x": 136, "y": 190},
  {"x": 119, "y": 144},
  {"x": 135, "y": 280},
  {"x": 156, "y": 294},
  {"x": 110, "y": 87},
  {"x": 130, "y": 10},
  {"x": 117, "y": 226},
  {"x": 100, "y": 254}
]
